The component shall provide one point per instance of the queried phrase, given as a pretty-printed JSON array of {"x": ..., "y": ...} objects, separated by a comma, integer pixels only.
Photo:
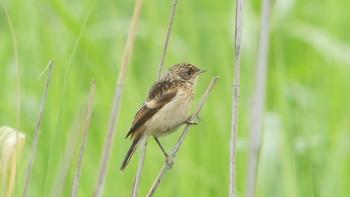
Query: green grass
[{"x": 305, "y": 143}]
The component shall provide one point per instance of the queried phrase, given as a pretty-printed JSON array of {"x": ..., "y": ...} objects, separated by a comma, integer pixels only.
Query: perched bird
[{"x": 167, "y": 107}]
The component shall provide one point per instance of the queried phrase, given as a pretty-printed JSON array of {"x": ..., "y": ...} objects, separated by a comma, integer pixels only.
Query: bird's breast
[{"x": 171, "y": 115}]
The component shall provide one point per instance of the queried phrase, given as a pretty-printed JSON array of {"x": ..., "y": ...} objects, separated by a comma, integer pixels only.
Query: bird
[{"x": 166, "y": 108}]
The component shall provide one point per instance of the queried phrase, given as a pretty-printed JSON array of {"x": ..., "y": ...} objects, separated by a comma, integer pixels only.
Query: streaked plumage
[{"x": 167, "y": 106}]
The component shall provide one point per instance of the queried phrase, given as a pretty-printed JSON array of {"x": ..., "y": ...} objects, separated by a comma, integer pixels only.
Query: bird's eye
[{"x": 189, "y": 72}]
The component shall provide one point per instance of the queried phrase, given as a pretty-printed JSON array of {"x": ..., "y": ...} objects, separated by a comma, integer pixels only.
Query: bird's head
[{"x": 185, "y": 72}]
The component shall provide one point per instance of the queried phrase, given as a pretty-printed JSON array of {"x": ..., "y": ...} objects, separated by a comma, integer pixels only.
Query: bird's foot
[
  {"x": 193, "y": 122},
  {"x": 170, "y": 161}
]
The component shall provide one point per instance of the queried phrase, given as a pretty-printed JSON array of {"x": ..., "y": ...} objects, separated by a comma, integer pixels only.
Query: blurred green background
[{"x": 305, "y": 149}]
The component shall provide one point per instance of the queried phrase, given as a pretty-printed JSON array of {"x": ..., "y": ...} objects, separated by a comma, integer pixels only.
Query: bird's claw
[
  {"x": 195, "y": 122},
  {"x": 169, "y": 161}
]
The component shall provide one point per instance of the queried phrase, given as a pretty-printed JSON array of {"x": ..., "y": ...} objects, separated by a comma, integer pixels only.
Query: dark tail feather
[{"x": 129, "y": 154}]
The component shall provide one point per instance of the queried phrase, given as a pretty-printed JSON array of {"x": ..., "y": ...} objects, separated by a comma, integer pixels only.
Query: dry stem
[
  {"x": 136, "y": 186},
  {"x": 170, "y": 25},
  {"x": 83, "y": 143},
  {"x": 235, "y": 97},
  {"x": 117, "y": 100},
  {"x": 37, "y": 130}
]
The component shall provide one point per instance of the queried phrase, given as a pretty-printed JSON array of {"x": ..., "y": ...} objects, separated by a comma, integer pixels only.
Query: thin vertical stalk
[
  {"x": 235, "y": 97},
  {"x": 37, "y": 130},
  {"x": 257, "y": 113},
  {"x": 117, "y": 100},
  {"x": 170, "y": 25},
  {"x": 83, "y": 143},
  {"x": 136, "y": 186}
]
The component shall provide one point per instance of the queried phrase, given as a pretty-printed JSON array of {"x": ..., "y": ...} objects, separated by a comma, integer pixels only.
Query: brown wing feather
[
  {"x": 141, "y": 117},
  {"x": 146, "y": 112}
]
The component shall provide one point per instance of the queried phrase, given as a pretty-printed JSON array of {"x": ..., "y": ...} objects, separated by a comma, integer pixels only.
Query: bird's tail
[{"x": 129, "y": 154}]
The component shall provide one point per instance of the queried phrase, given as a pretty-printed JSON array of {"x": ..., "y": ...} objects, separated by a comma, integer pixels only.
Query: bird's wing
[{"x": 149, "y": 108}]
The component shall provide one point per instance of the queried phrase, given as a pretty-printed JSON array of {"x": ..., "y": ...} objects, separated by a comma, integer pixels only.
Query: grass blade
[
  {"x": 37, "y": 130},
  {"x": 83, "y": 143},
  {"x": 257, "y": 113}
]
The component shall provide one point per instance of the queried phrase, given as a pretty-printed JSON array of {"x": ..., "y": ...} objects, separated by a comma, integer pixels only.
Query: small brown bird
[{"x": 167, "y": 107}]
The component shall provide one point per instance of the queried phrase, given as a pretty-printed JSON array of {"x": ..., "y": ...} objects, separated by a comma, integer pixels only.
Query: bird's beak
[{"x": 200, "y": 71}]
